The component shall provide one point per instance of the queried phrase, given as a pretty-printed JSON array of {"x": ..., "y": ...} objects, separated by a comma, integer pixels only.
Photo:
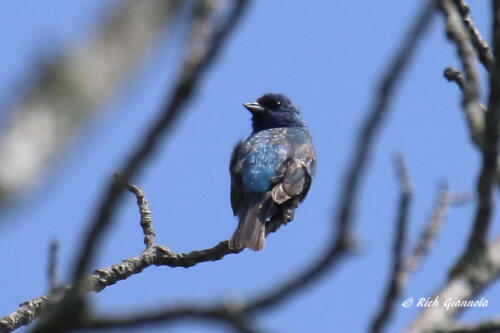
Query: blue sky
[{"x": 326, "y": 56}]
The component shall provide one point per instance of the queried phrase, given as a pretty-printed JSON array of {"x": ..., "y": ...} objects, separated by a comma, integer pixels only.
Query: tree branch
[
  {"x": 396, "y": 280},
  {"x": 71, "y": 86},
  {"x": 163, "y": 256},
  {"x": 228, "y": 314},
  {"x": 52, "y": 265},
  {"x": 435, "y": 224},
  {"x": 475, "y": 250},
  {"x": 465, "y": 286},
  {"x": 481, "y": 46},
  {"x": 101, "y": 278},
  {"x": 488, "y": 326},
  {"x": 195, "y": 66},
  {"x": 457, "y": 32}
]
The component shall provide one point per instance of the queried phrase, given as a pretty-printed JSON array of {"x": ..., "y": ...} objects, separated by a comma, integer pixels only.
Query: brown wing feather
[{"x": 294, "y": 184}]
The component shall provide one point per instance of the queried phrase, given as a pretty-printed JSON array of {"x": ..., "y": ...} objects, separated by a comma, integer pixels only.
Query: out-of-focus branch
[
  {"x": 454, "y": 75},
  {"x": 475, "y": 251},
  {"x": 403, "y": 268},
  {"x": 52, "y": 265},
  {"x": 475, "y": 113},
  {"x": 457, "y": 32},
  {"x": 488, "y": 326},
  {"x": 465, "y": 286},
  {"x": 206, "y": 40},
  {"x": 202, "y": 53},
  {"x": 479, "y": 265},
  {"x": 163, "y": 256},
  {"x": 395, "y": 283},
  {"x": 435, "y": 224},
  {"x": 481, "y": 46},
  {"x": 71, "y": 88},
  {"x": 228, "y": 314}
]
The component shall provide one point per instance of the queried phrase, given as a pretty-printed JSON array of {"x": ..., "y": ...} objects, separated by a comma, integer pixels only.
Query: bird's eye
[{"x": 278, "y": 103}]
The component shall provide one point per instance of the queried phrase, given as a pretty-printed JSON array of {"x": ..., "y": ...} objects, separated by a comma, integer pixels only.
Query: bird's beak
[{"x": 254, "y": 107}]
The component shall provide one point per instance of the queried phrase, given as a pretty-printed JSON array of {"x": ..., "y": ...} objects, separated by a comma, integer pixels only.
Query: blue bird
[{"x": 271, "y": 171}]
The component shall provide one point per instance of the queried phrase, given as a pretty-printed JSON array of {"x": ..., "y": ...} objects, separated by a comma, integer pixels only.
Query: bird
[{"x": 271, "y": 170}]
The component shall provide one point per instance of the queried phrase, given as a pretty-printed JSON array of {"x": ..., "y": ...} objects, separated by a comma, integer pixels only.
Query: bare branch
[
  {"x": 52, "y": 265},
  {"x": 70, "y": 89},
  {"x": 488, "y": 326},
  {"x": 479, "y": 265},
  {"x": 102, "y": 278},
  {"x": 475, "y": 251},
  {"x": 146, "y": 217},
  {"x": 195, "y": 66},
  {"x": 464, "y": 286},
  {"x": 454, "y": 75},
  {"x": 435, "y": 224},
  {"x": 228, "y": 314},
  {"x": 199, "y": 58},
  {"x": 163, "y": 256},
  {"x": 396, "y": 281},
  {"x": 470, "y": 98},
  {"x": 482, "y": 48}
]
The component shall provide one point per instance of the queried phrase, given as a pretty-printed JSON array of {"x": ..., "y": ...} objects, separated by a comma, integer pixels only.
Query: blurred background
[{"x": 81, "y": 81}]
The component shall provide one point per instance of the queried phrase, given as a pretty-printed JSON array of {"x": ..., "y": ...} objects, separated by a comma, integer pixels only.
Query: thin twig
[
  {"x": 454, "y": 75},
  {"x": 457, "y": 32},
  {"x": 402, "y": 269},
  {"x": 52, "y": 265},
  {"x": 395, "y": 283},
  {"x": 481, "y": 46},
  {"x": 146, "y": 216},
  {"x": 432, "y": 228}
]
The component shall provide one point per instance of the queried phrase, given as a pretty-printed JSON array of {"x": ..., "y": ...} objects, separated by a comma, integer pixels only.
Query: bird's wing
[
  {"x": 294, "y": 184},
  {"x": 235, "y": 168},
  {"x": 296, "y": 175}
]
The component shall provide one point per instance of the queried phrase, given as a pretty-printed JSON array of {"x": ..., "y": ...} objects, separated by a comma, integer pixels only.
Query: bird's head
[{"x": 274, "y": 110}]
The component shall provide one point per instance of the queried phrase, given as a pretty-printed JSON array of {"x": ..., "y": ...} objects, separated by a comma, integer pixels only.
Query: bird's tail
[{"x": 251, "y": 230}]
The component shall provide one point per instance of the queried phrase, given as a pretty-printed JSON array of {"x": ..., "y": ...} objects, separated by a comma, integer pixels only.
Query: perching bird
[{"x": 271, "y": 171}]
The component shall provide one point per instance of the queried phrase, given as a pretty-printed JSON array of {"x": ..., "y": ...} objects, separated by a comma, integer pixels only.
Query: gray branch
[
  {"x": 465, "y": 286},
  {"x": 476, "y": 246},
  {"x": 156, "y": 255},
  {"x": 52, "y": 265},
  {"x": 72, "y": 87},
  {"x": 481, "y": 46},
  {"x": 487, "y": 326},
  {"x": 397, "y": 275},
  {"x": 470, "y": 85}
]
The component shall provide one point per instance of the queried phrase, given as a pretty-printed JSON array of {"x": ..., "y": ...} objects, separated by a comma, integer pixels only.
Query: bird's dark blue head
[{"x": 274, "y": 110}]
